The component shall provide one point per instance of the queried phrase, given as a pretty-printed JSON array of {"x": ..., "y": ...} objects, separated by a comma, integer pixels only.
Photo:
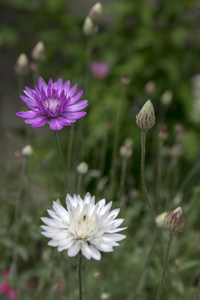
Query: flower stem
[
  {"x": 116, "y": 137},
  {"x": 61, "y": 157},
  {"x": 143, "y": 143},
  {"x": 122, "y": 181},
  {"x": 69, "y": 153},
  {"x": 170, "y": 238},
  {"x": 79, "y": 275}
]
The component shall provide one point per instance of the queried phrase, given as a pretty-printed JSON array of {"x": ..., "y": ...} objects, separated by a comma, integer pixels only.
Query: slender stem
[
  {"x": 61, "y": 157},
  {"x": 116, "y": 137},
  {"x": 159, "y": 175},
  {"x": 143, "y": 142},
  {"x": 189, "y": 176},
  {"x": 69, "y": 153},
  {"x": 88, "y": 61},
  {"x": 170, "y": 238},
  {"x": 122, "y": 180},
  {"x": 16, "y": 221},
  {"x": 103, "y": 152},
  {"x": 79, "y": 275},
  {"x": 78, "y": 189}
]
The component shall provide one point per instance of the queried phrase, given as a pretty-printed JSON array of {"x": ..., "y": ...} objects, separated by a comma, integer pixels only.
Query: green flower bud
[
  {"x": 175, "y": 221},
  {"x": 146, "y": 117}
]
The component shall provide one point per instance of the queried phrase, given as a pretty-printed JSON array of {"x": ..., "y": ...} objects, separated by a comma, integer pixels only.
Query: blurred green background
[{"x": 157, "y": 44}]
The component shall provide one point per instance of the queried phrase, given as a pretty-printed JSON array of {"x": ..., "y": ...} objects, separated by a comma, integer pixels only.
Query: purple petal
[
  {"x": 30, "y": 102},
  {"x": 55, "y": 124},
  {"x": 78, "y": 106},
  {"x": 74, "y": 116},
  {"x": 76, "y": 97},
  {"x": 63, "y": 121},
  {"x": 67, "y": 86},
  {"x": 59, "y": 85},
  {"x": 72, "y": 90},
  {"x": 37, "y": 122},
  {"x": 42, "y": 84},
  {"x": 28, "y": 114}
]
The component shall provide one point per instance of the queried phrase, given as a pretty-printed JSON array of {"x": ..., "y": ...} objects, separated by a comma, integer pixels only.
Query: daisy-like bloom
[
  {"x": 84, "y": 226},
  {"x": 54, "y": 103}
]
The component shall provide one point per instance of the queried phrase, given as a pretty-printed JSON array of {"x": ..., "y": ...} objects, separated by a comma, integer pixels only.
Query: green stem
[
  {"x": 61, "y": 157},
  {"x": 143, "y": 142},
  {"x": 69, "y": 153},
  {"x": 158, "y": 176},
  {"x": 122, "y": 181},
  {"x": 79, "y": 275},
  {"x": 16, "y": 221},
  {"x": 116, "y": 137},
  {"x": 170, "y": 238},
  {"x": 88, "y": 61},
  {"x": 78, "y": 189}
]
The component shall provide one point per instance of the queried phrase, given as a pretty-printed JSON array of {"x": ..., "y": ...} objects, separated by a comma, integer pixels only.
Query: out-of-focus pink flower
[
  {"x": 7, "y": 290},
  {"x": 99, "y": 70},
  {"x": 6, "y": 273},
  {"x": 61, "y": 283}
]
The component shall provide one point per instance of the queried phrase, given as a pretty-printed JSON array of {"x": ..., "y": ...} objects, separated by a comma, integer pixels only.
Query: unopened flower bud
[
  {"x": 125, "y": 80},
  {"x": 105, "y": 296},
  {"x": 34, "y": 66},
  {"x": 82, "y": 168},
  {"x": 175, "y": 221},
  {"x": 99, "y": 69},
  {"x": 146, "y": 117},
  {"x": 39, "y": 51},
  {"x": 96, "y": 12},
  {"x": 176, "y": 150},
  {"x": 150, "y": 87},
  {"x": 160, "y": 220},
  {"x": 167, "y": 97},
  {"x": 126, "y": 151},
  {"x": 22, "y": 65},
  {"x": 27, "y": 150},
  {"x": 97, "y": 275},
  {"x": 163, "y": 134},
  {"x": 89, "y": 28}
]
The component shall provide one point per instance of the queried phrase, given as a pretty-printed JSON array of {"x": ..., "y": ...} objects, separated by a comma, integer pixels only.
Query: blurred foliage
[{"x": 154, "y": 40}]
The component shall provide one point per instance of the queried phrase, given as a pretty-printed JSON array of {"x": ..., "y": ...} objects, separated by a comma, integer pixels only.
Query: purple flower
[
  {"x": 54, "y": 103},
  {"x": 99, "y": 69}
]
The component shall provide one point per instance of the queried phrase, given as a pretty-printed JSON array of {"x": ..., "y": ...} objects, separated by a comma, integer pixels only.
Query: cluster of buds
[
  {"x": 146, "y": 117},
  {"x": 90, "y": 26},
  {"x": 22, "y": 66},
  {"x": 174, "y": 221}
]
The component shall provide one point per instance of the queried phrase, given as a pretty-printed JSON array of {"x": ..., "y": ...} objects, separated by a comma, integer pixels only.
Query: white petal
[
  {"x": 74, "y": 249},
  {"x": 60, "y": 211},
  {"x": 53, "y": 223},
  {"x": 86, "y": 250},
  {"x": 53, "y": 215}
]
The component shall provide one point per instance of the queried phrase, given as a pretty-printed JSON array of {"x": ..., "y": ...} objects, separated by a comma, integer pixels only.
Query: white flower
[{"x": 84, "y": 226}]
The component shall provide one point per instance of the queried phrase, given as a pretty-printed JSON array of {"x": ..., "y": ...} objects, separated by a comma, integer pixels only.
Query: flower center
[
  {"x": 84, "y": 226},
  {"x": 51, "y": 106}
]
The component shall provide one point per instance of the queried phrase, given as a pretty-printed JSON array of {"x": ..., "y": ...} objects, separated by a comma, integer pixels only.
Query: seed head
[
  {"x": 175, "y": 221},
  {"x": 146, "y": 117}
]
